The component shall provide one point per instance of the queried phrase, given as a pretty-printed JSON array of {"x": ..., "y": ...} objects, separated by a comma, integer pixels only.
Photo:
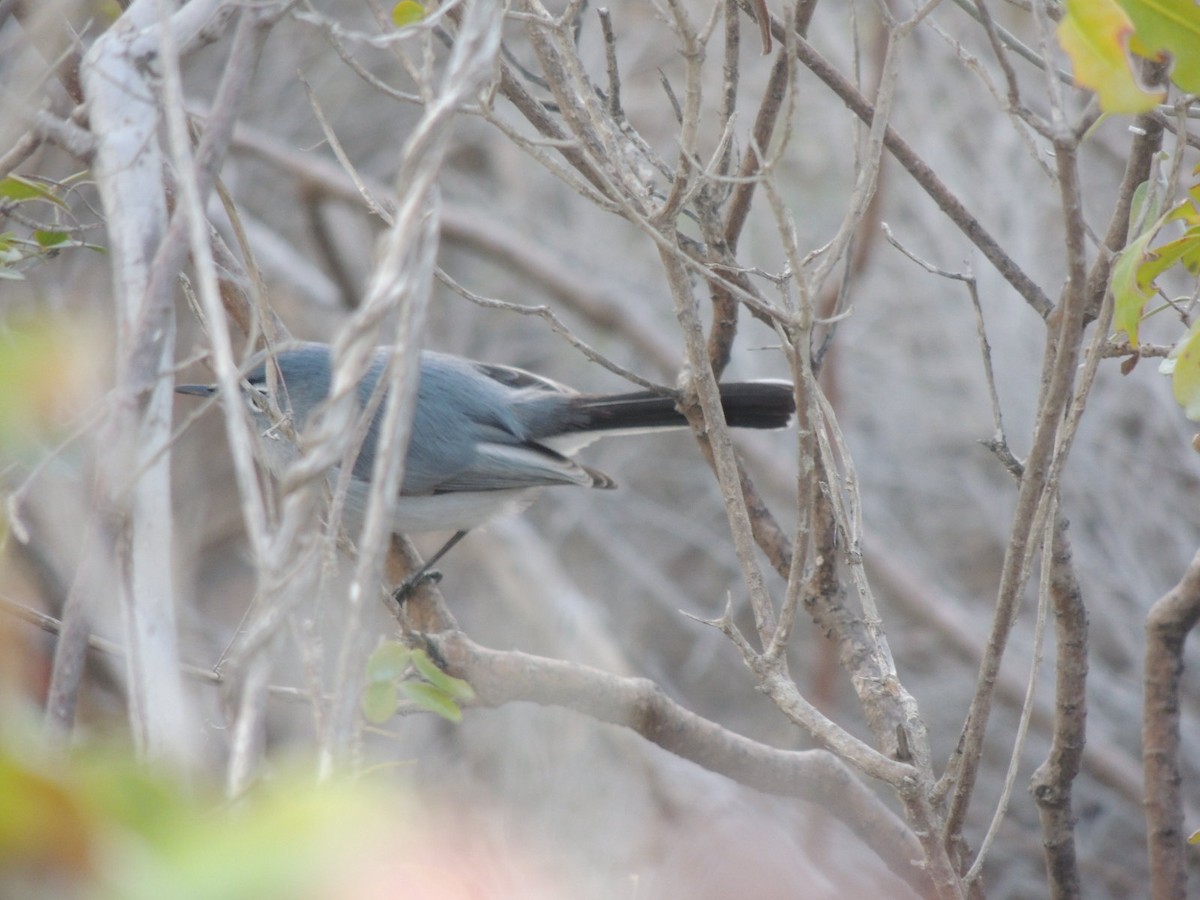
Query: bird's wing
[
  {"x": 505, "y": 466},
  {"x": 520, "y": 379}
]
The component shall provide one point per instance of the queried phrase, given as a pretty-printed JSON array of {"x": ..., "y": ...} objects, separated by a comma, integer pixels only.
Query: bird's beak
[{"x": 196, "y": 390}]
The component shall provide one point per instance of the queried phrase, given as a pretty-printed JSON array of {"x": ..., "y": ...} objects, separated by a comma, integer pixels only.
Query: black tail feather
[{"x": 748, "y": 404}]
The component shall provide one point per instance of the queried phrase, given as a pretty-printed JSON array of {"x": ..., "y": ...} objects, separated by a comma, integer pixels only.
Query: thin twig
[
  {"x": 922, "y": 172},
  {"x": 1014, "y": 761},
  {"x": 968, "y": 280},
  {"x": 209, "y": 676},
  {"x": 610, "y": 62},
  {"x": 558, "y": 327}
]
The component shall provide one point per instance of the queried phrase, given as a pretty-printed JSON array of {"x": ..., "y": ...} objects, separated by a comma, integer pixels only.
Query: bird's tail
[{"x": 747, "y": 404}]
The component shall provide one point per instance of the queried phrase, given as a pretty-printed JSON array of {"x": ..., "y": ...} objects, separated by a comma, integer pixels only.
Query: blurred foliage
[
  {"x": 1100, "y": 35},
  {"x": 48, "y": 374},
  {"x": 407, "y": 12},
  {"x": 93, "y": 824}
]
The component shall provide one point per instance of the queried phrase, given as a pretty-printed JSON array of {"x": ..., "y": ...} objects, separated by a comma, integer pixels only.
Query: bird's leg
[{"x": 426, "y": 572}]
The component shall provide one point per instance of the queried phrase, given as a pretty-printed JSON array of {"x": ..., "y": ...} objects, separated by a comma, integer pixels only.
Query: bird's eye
[{"x": 256, "y": 396}]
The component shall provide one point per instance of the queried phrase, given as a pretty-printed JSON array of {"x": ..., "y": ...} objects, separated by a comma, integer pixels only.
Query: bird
[{"x": 485, "y": 438}]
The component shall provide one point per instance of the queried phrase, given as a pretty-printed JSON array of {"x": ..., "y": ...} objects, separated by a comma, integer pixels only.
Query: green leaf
[
  {"x": 1146, "y": 208},
  {"x": 1139, "y": 210},
  {"x": 1183, "y": 365},
  {"x": 49, "y": 239},
  {"x": 1184, "y": 250},
  {"x": 432, "y": 699},
  {"x": 1188, "y": 209},
  {"x": 1095, "y": 35},
  {"x": 379, "y": 701},
  {"x": 389, "y": 662},
  {"x": 1137, "y": 267},
  {"x": 407, "y": 12},
  {"x": 1129, "y": 294},
  {"x": 452, "y": 687},
  {"x": 1168, "y": 27},
  {"x": 1185, "y": 381},
  {"x": 14, "y": 187}
]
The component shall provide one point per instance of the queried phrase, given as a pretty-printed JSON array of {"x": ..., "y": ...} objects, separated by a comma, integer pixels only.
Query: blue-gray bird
[{"x": 484, "y": 437}]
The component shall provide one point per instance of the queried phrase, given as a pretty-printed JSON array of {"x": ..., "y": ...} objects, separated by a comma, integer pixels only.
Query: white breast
[{"x": 458, "y": 511}]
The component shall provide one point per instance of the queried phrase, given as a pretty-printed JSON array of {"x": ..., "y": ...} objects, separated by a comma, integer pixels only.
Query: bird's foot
[{"x": 410, "y": 584}]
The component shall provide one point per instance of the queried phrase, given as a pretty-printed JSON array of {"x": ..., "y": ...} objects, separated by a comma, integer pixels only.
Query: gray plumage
[{"x": 483, "y": 436}]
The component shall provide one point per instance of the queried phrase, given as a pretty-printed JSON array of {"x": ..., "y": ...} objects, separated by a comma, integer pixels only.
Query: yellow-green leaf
[
  {"x": 430, "y": 698},
  {"x": 1146, "y": 208},
  {"x": 14, "y": 187},
  {"x": 1138, "y": 266},
  {"x": 1188, "y": 209},
  {"x": 379, "y": 701},
  {"x": 389, "y": 662},
  {"x": 407, "y": 12},
  {"x": 455, "y": 688},
  {"x": 47, "y": 375},
  {"x": 43, "y": 820},
  {"x": 1142, "y": 209},
  {"x": 1185, "y": 381},
  {"x": 1095, "y": 34},
  {"x": 50, "y": 238},
  {"x": 1169, "y": 27},
  {"x": 1129, "y": 293}
]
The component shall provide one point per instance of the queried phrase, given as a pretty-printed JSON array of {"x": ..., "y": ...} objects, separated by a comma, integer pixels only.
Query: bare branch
[
  {"x": 1039, "y": 481},
  {"x": 128, "y": 168},
  {"x": 1053, "y": 781},
  {"x": 636, "y": 703},
  {"x": 1170, "y": 621}
]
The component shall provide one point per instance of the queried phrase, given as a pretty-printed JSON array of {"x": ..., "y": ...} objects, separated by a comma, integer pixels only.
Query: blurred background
[{"x": 614, "y": 579}]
